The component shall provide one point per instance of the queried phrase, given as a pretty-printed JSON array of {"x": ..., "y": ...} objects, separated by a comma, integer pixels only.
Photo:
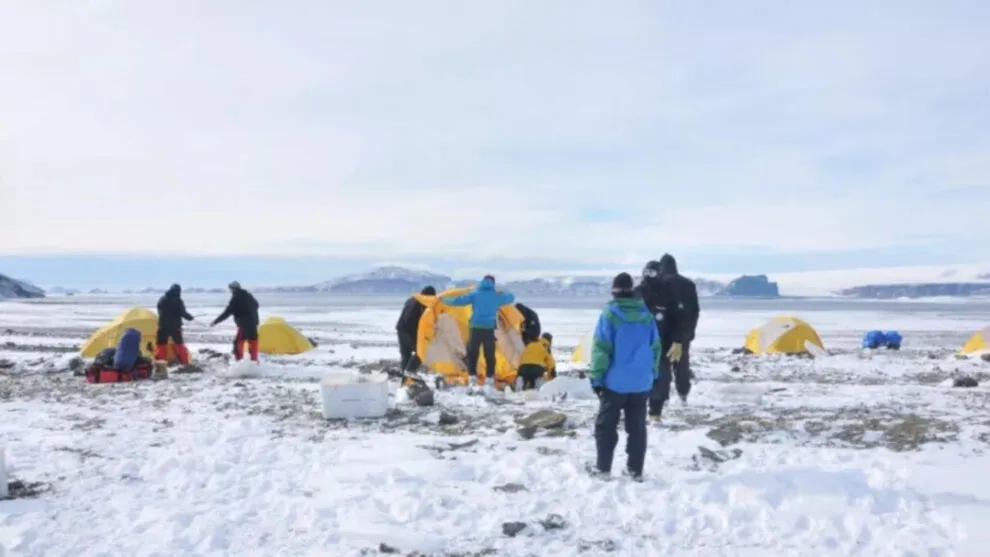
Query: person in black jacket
[
  {"x": 407, "y": 329},
  {"x": 530, "y": 329},
  {"x": 244, "y": 308},
  {"x": 673, "y": 299},
  {"x": 171, "y": 312}
]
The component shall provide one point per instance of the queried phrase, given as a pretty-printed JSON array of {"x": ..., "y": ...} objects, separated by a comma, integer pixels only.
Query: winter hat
[
  {"x": 429, "y": 291},
  {"x": 488, "y": 277},
  {"x": 234, "y": 285},
  {"x": 547, "y": 337},
  {"x": 622, "y": 285}
]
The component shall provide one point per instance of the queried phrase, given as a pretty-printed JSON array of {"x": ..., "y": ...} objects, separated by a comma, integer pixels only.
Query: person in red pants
[
  {"x": 171, "y": 312},
  {"x": 244, "y": 308}
]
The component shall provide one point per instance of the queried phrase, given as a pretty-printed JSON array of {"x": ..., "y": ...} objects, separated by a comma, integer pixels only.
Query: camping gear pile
[{"x": 890, "y": 340}]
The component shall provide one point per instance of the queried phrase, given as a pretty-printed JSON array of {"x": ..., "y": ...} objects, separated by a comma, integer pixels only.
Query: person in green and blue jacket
[{"x": 625, "y": 360}]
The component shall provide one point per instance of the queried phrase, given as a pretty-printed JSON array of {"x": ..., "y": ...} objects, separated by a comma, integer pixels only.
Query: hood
[
  {"x": 174, "y": 291},
  {"x": 428, "y": 291},
  {"x": 486, "y": 284},
  {"x": 630, "y": 310},
  {"x": 668, "y": 265}
]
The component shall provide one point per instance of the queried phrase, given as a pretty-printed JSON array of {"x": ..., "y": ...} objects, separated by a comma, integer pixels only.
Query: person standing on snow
[
  {"x": 171, "y": 312},
  {"x": 530, "y": 329},
  {"x": 244, "y": 308},
  {"x": 485, "y": 301},
  {"x": 407, "y": 329},
  {"x": 673, "y": 299},
  {"x": 625, "y": 356}
]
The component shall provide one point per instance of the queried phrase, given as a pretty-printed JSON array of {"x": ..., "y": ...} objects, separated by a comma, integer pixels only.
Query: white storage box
[
  {"x": 3, "y": 475},
  {"x": 354, "y": 396}
]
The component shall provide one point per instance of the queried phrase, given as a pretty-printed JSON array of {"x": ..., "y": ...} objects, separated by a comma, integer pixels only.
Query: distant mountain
[
  {"x": 13, "y": 288},
  {"x": 918, "y": 290},
  {"x": 750, "y": 286},
  {"x": 62, "y": 291},
  {"x": 399, "y": 280}
]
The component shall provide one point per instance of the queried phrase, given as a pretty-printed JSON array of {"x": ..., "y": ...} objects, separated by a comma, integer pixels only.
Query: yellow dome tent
[
  {"x": 784, "y": 335},
  {"x": 582, "y": 354},
  {"x": 979, "y": 342},
  {"x": 441, "y": 341},
  {"x": 275, "y": 336},
  {"x": 144, "y": 320}
]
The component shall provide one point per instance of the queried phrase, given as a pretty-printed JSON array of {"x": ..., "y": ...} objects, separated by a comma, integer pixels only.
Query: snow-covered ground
[{"x": 851, "y": 454}]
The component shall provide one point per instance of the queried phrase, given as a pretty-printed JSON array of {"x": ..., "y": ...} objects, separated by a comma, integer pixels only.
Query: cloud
[{"x": 575, "y": 131}]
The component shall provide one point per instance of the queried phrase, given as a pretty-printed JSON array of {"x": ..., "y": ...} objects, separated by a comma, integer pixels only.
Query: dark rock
[
  {"x": 189, "y": 368},
  {"x": 985, "y": 357},
  {"x": 510, "y": 488},
  {"x": 76, "y": 364},
  {"x": 965, "y": 381},
  {"x": 543, "y": 419},
  {"x": 447, "y": 418},
  {"x": 511, "y": 529},
  {"x": 601, "y": 545},
  {"x": 554, "y": 521},
  {"x": 385, "y": 548},
  {"x": 420, "y": 394},
  {"x": 7, "y": 364}
]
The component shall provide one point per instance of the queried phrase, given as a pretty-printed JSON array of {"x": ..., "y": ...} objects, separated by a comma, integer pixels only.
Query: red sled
[{"x": 110, "y": 375}]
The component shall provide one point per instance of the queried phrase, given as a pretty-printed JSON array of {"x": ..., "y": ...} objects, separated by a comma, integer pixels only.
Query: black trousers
[
  {"x": 408, "y": 361},
  {"x": 478, "y": 340},
  {"x": 679, "y": 374},
  {"x": 162, "y": 336},
  {"x": 530, "y": 373},
  {"x": 633, "y": 407}
]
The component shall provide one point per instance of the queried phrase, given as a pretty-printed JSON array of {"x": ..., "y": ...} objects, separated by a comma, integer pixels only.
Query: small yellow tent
[
  {"x": 784, "y": 335},
  {"x": 275, "y": 336},
  {"x": 145, "y": 321},
  {"x": 582, "y": 354},
  {"x": 443, "y": 333},
  {"x": 979, "y": 342}
]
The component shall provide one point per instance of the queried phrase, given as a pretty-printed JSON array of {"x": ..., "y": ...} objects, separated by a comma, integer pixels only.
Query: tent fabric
[
  {"x": 107, "y": 336},
  {"x": 979, "y": 342},
  {"x": 882, "y": 339},
  {"x": 582, "y": 354},
  {"x": 277, "y": 337},
  {"x": 784, "y": 335},
  {"x": 441, "y": 341}
]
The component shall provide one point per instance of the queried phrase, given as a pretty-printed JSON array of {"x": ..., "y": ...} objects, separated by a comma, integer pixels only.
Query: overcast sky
[{"x": 562, "y": 132}]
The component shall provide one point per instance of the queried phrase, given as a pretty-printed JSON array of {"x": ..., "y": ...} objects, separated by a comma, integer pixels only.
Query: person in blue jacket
[
  {"x": 484, "y": 301},
  {"x": 128, "y": 350},
  {"x": 625, "y": 359}
]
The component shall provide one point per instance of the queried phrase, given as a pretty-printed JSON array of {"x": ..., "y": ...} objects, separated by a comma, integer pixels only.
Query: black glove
[{"x": 598, "y": 391}]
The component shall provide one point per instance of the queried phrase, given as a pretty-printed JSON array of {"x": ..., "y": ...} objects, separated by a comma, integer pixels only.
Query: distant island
[{"x": 389, "y": 280}]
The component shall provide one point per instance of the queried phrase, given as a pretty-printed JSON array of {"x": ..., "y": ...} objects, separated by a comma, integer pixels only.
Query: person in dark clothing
[
  {"x": 171, "y": 312},
  {"x": 530, "y": 329},
  {"x": 625, "y": 356},
  {"x": 128, "y": 350},
  {"x": 407, "y": 329},
  {"x": 673, "y": 299},
  {"x": 485, "y": 302},
  {"x": 244, "y": 308}
]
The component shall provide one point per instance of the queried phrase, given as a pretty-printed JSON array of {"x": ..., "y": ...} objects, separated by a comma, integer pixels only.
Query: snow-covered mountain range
[{"x": 961, "y": 281}]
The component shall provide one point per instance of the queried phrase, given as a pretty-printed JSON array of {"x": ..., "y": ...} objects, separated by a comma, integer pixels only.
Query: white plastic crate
[{"x": 354, "y": 396}]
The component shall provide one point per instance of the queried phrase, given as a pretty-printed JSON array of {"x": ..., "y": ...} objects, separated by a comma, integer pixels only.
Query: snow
[{"x": 855, "y": 453}]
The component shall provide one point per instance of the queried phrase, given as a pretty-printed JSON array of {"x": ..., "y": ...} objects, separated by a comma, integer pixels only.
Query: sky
[{"x": 275, "y": 142}]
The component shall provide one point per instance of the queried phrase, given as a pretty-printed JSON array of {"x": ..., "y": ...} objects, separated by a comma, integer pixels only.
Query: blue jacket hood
[{"x": 486, "y": 284}]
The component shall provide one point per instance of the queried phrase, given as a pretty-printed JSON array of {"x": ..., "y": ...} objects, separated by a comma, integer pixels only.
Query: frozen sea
[{"x": 850, "y": 454}]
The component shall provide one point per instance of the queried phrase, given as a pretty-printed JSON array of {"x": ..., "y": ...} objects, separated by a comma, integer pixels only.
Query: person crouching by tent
[
  {"x": 625, "y": 358},
  {"x": 244, "y": 308},
  {"x": 485, "y": 301},
  {"x": 407, "y": 329},
  {"x": 530, "y": 329},
  {"x": 171, "y": 312},
  {"x": 128, "y": 351},
  {"x": 537, "y": 363}
]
